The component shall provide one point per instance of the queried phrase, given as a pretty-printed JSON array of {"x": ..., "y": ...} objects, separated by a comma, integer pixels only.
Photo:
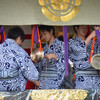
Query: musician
[
  {"x": 52, "y": 67},
  {"x": 15, "y": 64},
  {"x": 79, "y": 53}
]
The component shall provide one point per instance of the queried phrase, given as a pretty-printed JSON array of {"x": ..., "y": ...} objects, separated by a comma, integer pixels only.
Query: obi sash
[
  {"x": 49, "y": 73},
  {"x": 8, "y": 74},
  {"x": 88, "y": 72}
]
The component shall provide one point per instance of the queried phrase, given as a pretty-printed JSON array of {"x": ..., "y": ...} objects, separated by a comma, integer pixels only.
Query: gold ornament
[
  {"x": 2, "y": 96},
  {"x": 70, "y": 94},
  {"x": 63, "y": 10}
]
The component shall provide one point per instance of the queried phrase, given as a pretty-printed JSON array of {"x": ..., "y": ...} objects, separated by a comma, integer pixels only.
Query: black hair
[
  {"x": 16, "y": 32},
  {"x": 75, "y": 29},
  {"x": 47, "y": 28},
  {"x": 60, "y": 38}
]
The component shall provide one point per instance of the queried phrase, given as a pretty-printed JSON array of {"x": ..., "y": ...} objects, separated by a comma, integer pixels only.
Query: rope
[{"x": 92, "y": 49}]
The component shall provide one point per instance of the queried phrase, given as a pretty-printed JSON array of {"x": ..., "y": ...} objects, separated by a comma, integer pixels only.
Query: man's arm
[
  {"x": 93, "y": 34},
  {"x": 29, "y": 70}
]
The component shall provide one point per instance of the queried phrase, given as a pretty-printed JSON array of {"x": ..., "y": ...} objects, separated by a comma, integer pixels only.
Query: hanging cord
[
  {"x": 0, "y": 38},
  {"x": 66, "y": 49},
  {"x": 32, "y": 38},
  {"x": 92, "y": 49},
  {"x": 3, "y": 35},
  {"x": 40, "y": 48}
]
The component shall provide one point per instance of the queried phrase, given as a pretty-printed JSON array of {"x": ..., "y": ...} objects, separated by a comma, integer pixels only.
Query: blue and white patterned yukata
[
  {"x": 15, "y": 67},
  {"x": 86, "y": 76},
  {"x": 51, "y": 71}
]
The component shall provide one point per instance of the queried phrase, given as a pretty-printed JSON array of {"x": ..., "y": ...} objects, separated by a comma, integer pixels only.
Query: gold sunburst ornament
[{"x": 63, "y": 10}]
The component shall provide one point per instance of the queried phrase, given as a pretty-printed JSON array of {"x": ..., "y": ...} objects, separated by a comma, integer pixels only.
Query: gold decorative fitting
[
  {"x": 63, "y": 10},
  {"x": 2, "y": 96},
  {"x": 58, "y": 94}
]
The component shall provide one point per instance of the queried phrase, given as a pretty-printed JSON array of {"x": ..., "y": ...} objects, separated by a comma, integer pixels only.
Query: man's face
[
  {"x": 82, "y": 30},
  {"x": 46, "y": 35},
  {"x": 18, "y": 41}
]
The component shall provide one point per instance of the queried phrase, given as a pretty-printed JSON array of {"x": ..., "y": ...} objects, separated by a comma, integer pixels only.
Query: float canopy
[{"x": 28, "y": 12}]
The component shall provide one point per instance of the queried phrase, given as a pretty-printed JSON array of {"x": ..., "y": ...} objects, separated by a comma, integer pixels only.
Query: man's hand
[
  {"x": 50, "y": 56},
  {"x": 97, "y": 27},
  {"x": 93, "y": 34},
  {"x": 36, "y": 83}
]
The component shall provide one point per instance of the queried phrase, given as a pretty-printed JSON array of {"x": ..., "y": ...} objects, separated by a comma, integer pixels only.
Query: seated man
[{"x": 15, "y": 64}]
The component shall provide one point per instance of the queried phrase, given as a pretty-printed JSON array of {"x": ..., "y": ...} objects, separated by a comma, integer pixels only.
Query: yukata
[
  {"x": 86, "y": 76},
  {"x": 15, "y": 67},
  {"x": 52, "y": 71}
]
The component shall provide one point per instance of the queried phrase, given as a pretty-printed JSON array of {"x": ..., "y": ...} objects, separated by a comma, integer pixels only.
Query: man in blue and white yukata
[
  {"x": 52, "y": 67},
  {"x": 15, "y": 64},
  {"x": 79, "y": 53}
]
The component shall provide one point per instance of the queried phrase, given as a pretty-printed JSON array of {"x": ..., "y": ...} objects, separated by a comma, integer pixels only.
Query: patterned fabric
[
  {"x": 57, "y": 67},
  {"x": 79, "y": 54},
  {"x": 12, "y": 57}
]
